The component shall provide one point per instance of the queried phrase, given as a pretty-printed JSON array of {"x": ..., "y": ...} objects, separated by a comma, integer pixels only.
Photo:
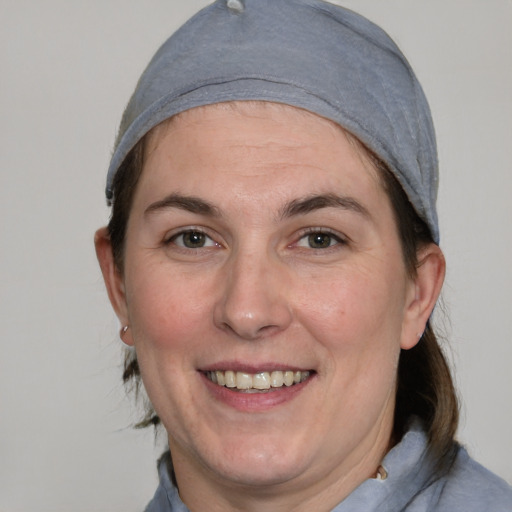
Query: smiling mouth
[{"x": 262, "y": 382}]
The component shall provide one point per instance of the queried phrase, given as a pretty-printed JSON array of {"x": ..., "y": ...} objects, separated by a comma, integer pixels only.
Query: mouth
[{"x": 261, "y": 382}]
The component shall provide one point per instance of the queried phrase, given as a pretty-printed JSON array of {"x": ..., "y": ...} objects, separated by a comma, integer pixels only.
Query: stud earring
[{"x": 122, "y": 332}]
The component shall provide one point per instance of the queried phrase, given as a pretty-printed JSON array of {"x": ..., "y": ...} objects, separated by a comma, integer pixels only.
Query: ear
[
  {"x": 423, "y": 294},
  {"x": 113, "y": 279}
]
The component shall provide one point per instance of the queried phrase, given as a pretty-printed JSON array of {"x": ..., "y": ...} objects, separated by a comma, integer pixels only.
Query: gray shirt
[{"x": 410, "y": 486}]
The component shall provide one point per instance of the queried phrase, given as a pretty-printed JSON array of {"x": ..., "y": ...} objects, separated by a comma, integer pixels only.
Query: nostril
[{"x": 249, "y": 327}]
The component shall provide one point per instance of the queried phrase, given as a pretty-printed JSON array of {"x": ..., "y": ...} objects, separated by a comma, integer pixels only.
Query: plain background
[{"x": 67, "y": 70}]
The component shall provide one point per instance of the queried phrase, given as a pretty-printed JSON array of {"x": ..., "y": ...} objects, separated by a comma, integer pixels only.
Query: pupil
[
  {"x": 319, "y": 241},
  {"x": 193, "y": 239}
]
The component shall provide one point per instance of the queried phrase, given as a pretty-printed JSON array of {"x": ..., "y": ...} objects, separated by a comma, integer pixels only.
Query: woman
[{"x": 273, "y": 259}]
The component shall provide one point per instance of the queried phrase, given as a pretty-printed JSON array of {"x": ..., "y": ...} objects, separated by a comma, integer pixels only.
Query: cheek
[
  {"x": 356, "y": 320},
  {"x": 170, "y": 323},
  {"x": 168, "y": 310},
  {"x": 354, "y": 308}
]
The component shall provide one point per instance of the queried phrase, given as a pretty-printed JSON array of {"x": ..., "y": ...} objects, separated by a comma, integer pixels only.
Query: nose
[{"x": 253, "y": 303}]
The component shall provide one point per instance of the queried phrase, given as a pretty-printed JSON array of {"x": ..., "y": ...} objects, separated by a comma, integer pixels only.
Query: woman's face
[{"x": 261, "y": 245}]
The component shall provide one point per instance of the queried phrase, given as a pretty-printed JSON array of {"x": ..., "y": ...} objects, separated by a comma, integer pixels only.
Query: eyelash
[
  {"x": 334, "y": 239},
  {"x": 191, "y": 231},
  {"x": 308, "y": 233}
]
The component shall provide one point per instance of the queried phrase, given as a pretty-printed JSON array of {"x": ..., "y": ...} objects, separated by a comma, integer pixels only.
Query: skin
[{"x": 258, "y": 295}]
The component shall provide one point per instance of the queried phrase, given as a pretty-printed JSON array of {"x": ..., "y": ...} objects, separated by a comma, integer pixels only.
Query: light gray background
[{"x": 67, "y": 69}]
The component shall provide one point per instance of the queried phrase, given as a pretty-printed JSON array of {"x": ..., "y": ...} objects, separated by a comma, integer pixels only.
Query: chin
[
  {"x": 262, "y": 472},
  {"x": 262, "y": 461}
]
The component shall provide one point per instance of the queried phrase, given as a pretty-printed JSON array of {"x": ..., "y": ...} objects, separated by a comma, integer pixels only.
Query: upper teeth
[{"x": 262, "y": 380}]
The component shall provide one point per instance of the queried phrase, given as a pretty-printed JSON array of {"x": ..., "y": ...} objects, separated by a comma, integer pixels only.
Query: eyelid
[
  {"x": 341, "y": 239},
  {"x": 176, "y": 233},
  {"x": 337, "y": 236}
]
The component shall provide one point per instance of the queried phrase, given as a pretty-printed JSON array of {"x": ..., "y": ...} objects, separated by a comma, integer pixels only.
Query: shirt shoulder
[
  {"x": 469, "y": 487},
  {"x": 166, "y": 498}
]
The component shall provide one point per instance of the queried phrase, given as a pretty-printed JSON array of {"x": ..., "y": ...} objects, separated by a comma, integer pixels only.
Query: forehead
[
  {"x": 245, "y": 154},
  {"x": 254, "y": 128}
]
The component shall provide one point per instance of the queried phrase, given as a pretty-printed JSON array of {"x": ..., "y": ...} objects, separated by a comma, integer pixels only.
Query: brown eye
[
  {"x": 321, "y": 240},
  {"x": 193, "y": 240}
]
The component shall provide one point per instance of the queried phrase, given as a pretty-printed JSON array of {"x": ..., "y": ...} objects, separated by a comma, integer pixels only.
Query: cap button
[{"x": 236, "y": 6}]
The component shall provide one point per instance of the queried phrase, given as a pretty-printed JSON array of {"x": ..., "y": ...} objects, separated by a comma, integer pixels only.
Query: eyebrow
[
  {"x": 296, "y": 207},
  {"x": 317, "y": 202},
  {"x": 188, "y": 203}
]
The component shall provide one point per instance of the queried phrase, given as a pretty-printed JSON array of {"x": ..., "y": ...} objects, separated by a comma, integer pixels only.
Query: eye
[
  {"x": 192, "y": 239},
  {"x": 319, "y": 240}
]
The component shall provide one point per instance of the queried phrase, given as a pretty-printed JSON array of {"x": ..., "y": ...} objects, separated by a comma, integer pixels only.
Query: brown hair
[{"x": 424, "y": 389}]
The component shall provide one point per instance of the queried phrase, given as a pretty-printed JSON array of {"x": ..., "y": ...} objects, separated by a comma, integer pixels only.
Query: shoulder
[{"x": 469, "y": 487}]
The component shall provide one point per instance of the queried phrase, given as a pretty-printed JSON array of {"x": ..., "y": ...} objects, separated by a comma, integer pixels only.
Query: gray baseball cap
[{"x": 306, "y": 53}]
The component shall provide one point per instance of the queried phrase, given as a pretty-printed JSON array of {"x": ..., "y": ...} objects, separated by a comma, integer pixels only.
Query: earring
[{"x": 122, "y": 332}]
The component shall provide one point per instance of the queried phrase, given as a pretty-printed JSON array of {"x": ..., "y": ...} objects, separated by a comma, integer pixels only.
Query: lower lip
[{"x": 254, "y": 402}]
